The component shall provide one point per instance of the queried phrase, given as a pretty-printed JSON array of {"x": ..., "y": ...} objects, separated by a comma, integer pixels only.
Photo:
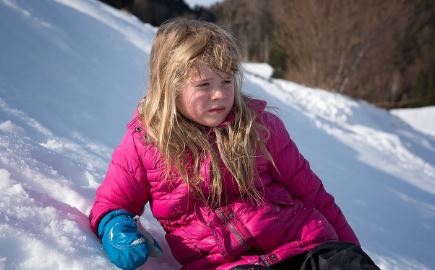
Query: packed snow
[
  {"x": 71, "y": 74},
  {"x": 203, "y": 3},
  {"x": 422, "y": 119},
  {"x": 262, "y": 70}
]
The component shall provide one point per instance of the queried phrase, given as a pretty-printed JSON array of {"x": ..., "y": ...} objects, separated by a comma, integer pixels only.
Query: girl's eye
[
  {"x": 203, "y": 84},
  {"x": 228, "y": 81}
]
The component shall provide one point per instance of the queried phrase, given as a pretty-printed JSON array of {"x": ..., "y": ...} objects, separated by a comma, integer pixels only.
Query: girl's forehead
[{"x": 202, "y": 70}]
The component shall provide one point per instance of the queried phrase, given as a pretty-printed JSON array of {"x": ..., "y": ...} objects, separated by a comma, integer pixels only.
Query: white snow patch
[
  {"x": 263, "y": 70},
  {"x": 422, "y": 119},
  {"x": 124, "y": 23},
  {"x": 10, "y": 127}
]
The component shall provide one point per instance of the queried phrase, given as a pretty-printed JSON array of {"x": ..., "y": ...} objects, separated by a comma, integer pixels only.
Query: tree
[{"x": 381, "y": 51}]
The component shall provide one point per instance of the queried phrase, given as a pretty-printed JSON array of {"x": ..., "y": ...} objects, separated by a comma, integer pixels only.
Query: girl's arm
[
  {"x": 295, "y": 174},
  {"x": 120, "y": 198},
  {"x": 124, "y": 187}
]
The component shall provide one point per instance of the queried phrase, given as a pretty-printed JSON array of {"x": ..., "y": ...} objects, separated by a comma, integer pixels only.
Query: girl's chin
[{"x": 213, "y": 123}]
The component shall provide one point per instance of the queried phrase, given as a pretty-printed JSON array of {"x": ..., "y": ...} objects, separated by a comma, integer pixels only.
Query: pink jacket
[{"x": 296, "y": 215}]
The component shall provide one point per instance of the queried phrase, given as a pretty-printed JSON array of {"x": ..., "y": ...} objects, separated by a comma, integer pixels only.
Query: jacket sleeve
[
  {"x": 125, "y": 185},
  {"x": 294, "y": 172}
]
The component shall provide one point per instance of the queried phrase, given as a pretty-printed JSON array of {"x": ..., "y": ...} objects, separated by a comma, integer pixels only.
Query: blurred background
[{"x": 379, "y": 51}]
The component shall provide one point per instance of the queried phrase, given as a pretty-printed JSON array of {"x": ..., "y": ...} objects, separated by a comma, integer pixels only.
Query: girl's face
[{"x": 207, "y": 97}]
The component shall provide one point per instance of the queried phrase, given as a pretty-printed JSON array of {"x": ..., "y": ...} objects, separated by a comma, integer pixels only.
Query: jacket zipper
[{"x": 233, "y": 229}]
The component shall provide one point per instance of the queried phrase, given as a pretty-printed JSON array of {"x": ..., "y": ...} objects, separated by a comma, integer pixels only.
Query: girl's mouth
[{"x": 218, "y": 109}]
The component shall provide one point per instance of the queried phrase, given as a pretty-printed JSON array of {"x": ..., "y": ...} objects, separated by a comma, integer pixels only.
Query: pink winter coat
[{"x": 296, "y": 215}]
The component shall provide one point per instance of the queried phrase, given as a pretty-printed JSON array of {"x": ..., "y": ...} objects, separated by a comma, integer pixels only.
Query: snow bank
[
  {"x": 422, "y": 119},
  {"x": 262, "y": 70}
]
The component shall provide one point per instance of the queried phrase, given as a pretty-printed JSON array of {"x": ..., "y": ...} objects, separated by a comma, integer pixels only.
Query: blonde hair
[{"x": 179, "y": 44}]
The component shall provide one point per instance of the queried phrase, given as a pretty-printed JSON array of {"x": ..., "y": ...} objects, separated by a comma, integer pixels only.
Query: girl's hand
[{"x": 125, "y": 246}]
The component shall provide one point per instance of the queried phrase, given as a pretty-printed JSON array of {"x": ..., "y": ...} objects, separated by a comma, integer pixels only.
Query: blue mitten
[{"x": 124, "y": 245}]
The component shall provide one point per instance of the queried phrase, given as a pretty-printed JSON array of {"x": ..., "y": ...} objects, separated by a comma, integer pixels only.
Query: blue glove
[{"x": 125, "y": 246}]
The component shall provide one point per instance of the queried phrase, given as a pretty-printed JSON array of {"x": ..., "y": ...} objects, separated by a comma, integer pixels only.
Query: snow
[
  {"x": 258, "y": 69},
  {"x": 421, "y": 119},
  {"x": 204, "y": 3},
  {"x": 71, "y": 73}
]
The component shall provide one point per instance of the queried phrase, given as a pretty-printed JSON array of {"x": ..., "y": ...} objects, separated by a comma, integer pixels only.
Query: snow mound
[{"x": 422, "y": 119}]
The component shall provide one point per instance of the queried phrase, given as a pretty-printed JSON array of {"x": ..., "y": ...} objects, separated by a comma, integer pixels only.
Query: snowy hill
[
  {"x": 71, "y": 73},
  {"x": 422, "y": 119}
]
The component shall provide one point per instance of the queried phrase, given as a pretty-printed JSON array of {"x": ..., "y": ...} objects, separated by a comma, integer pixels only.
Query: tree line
[{"x": 379, "y": 51}]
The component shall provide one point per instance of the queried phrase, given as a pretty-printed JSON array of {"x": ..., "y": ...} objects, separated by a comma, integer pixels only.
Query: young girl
[{"x": 221, "y": 174}]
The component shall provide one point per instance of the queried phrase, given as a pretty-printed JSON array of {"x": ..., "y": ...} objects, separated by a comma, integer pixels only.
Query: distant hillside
[{"x": 380, "y": 51}]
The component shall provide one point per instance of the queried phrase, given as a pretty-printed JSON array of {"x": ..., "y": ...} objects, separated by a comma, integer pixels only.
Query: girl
[{"x": 221, "y": 174}]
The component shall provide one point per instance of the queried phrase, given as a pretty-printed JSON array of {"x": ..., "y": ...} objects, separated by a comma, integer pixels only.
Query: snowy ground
[
  {"x": 71, "y": 73},
  {"x": 204, "y": 3},
  {"x": 422, "y": 119}
]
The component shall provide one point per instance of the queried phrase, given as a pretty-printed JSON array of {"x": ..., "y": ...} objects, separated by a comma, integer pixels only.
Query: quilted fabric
[{"x": 296, "y": 215}]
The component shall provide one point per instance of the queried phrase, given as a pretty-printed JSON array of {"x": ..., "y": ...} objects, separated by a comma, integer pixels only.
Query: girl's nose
[{"x": 218, "y": 93}]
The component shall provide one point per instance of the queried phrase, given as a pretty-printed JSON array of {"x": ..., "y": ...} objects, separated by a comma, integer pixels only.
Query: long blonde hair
[{"x": 179, "y": 44}]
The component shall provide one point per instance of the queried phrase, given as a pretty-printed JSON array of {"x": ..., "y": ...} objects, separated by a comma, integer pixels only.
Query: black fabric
[{"x": 328, "y": 256}]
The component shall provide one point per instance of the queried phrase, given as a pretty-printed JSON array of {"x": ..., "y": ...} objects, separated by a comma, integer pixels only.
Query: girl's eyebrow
[
  {"x": 208, "y": 79},
  {"x": 200, "y": 80}
]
